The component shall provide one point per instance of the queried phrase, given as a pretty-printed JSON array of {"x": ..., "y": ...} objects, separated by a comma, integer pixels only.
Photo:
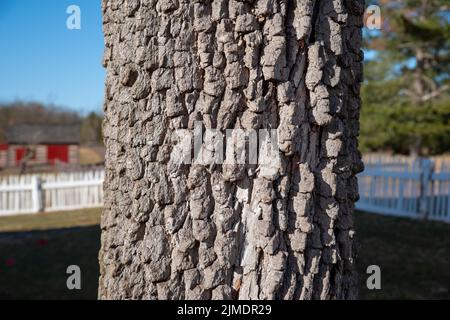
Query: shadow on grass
[
  {"x": 33, "y": 264},
  {"x": 414, "y": 257}
]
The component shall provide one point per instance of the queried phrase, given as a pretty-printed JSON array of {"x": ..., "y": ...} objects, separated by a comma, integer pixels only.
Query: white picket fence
[
  {"x": 406, "y": 188},
  {"x": 51, "y": 192}
]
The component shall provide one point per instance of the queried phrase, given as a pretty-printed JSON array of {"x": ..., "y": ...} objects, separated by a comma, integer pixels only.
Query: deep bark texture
[{"x": 173, "y": 231}]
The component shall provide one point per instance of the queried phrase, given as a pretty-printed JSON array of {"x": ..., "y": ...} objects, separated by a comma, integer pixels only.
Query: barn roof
[{"x": 43, "y": 134}]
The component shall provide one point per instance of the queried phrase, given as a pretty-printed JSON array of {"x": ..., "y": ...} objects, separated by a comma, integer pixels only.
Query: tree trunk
[{"x": 192, "y": 231}]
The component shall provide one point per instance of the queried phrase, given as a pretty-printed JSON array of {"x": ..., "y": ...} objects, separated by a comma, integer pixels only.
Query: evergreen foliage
[{"x": 406, "y": 91}]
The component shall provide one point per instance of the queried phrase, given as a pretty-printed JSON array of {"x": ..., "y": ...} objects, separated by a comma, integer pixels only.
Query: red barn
[
  {"x": 40, "y": 145},
  {"x": 3, "y": 154}
]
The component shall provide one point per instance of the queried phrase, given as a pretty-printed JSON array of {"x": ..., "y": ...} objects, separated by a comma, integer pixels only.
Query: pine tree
[{"x": 406, "y": 94}]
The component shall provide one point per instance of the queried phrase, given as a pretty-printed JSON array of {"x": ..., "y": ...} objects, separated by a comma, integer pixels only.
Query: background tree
[
  {"x": 36, "y": 113},
  {"x": 33, "y": 113},
  {"x": 91, "y": 129},
  {"x": 174, "y": 231},
  {"x": 406, "y": 92}
]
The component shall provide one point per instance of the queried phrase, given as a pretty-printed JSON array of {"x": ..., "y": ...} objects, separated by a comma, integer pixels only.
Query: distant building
[
  {"x": 3, "y": 155},
  {"x": 40, "y": 145}
]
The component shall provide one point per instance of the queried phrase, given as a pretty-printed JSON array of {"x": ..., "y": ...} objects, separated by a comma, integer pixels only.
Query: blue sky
[{"x": 41, "y": 60}]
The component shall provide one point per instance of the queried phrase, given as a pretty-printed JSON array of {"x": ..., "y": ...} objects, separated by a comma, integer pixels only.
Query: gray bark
[{"x": 227, "y": 232}]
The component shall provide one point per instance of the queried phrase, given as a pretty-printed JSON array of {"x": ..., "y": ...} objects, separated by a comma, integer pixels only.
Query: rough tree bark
[{"x": 174, "y": 231}]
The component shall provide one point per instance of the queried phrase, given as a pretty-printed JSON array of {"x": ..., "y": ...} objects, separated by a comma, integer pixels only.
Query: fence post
[
  {"x": 36, "y": 194},
  {"x": 427, "y": 167}
]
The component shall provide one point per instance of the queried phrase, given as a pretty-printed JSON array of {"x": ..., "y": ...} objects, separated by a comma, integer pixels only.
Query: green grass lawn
[
  {"x": 50, "y": 221},
  {"x": 414, "y": 256},
  {"x": 33, "y": 264}
]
